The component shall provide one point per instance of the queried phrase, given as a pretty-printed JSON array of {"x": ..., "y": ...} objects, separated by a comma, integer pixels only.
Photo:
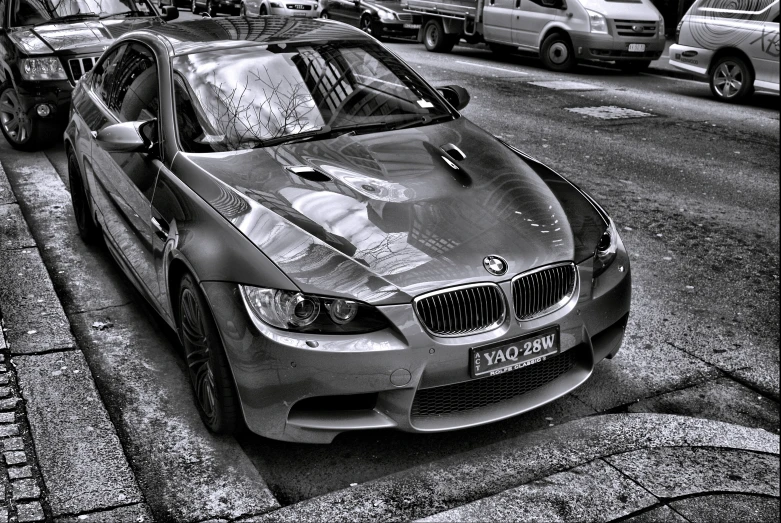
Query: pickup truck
[{"x": 563, "y": 32}]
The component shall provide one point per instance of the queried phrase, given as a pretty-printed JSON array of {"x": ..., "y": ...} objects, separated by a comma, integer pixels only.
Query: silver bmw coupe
[{"x": 337, "y": 247}]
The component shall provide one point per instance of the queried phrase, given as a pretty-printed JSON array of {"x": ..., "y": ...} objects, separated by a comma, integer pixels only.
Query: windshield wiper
[
  {"x": 423, "y": 120},
  {"x": 126, "y": 14},
  {"x": 322, "y": 133},
  {"x": 67, "y": 18}
]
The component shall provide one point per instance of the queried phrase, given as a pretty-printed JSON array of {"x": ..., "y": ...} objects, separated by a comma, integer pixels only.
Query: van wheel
[
  {"x": 435, "y": 39},
  {"x": 557, "y": 53},
  {"x": 636, "y": 66},
  {"x": 731, "y": 79}
]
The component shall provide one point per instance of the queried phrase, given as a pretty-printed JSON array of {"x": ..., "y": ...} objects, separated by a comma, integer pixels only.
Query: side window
[
  {"x": 103, "y": 76},
  {"x": 134, "y": 90}
]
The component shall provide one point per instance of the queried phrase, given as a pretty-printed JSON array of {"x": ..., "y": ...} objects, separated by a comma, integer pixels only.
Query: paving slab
[
  {"x": 32, "y": 315},
  {"x": 728, "y": 507},
  {"x": 683, "y": 471},
  {"x": 592, "y": 492},
  {"x": 6, "y": 194},
  {"x": 663, "y": 514},
  {"x": 77, "y": 269},
  {"x": 80, "y": 456},
  {"x": 186, "y": 472},
  {"x": 722, "y": 399},
  {"x": 138, "y": 513},
  {"x": 463, "y": 478},
  {"x": 14, "y": 233}
]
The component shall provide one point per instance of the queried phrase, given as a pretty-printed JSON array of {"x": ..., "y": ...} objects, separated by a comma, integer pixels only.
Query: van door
[
  {"x": 529, "y": 19},
  {"x": 498, "y": 20}
]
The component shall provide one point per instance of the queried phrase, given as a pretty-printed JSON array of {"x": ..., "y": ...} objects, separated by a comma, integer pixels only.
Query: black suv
[{"x": 45, "y": 47}]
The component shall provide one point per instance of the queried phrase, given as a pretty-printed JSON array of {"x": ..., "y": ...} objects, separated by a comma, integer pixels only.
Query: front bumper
[
  {"x": 589, "y": 46},
  {"x": 380, "y": 380},
  {"x": 297, "y": 13},
  {"x": 396, "y": 28},
  {"x": 54, "y": 93},
  {"x": 693, "y": 59}
]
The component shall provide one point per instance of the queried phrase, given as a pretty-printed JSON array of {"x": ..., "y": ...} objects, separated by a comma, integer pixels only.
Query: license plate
[
  {"x": 636, "y": 48},
  {"x": 298, "y": 13},
  {"x": 510, "y": 355},
  {"x": 411, "y": 26}
]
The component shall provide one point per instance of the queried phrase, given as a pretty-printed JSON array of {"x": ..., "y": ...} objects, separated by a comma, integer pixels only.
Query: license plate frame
[
  {"x": 516, "y": 353},
  {"x": 636, "y": 48},
  {"x": 411, "y": 26}
]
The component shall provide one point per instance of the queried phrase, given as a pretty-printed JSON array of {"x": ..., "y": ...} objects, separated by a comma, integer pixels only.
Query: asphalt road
[{"x": 693, "y": 185}]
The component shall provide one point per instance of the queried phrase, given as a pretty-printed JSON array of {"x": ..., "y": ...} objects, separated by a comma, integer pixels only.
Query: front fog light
[{"x": 43, "y": 110}]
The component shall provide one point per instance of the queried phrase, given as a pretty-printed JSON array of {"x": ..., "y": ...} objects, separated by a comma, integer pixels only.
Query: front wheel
[
  {"x": 365, "y": 24},
  {"x": 731, "y": 79},
  {"x": 435, "y": 39},
  {"x": 208, "y": 367},
  {"x": 82, "y": 210},
  {"x": 324, "y": 15},
  {"x": 20, "y": 131},
  {"x": 263, "y": 11},
  {"x": 557, "y": 53}
]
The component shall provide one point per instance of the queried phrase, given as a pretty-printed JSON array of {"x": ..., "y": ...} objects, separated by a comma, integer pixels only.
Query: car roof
[{"x": 207, "y": 34}]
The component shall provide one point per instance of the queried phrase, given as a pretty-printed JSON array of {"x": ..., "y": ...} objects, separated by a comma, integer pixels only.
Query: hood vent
[
  {"x": 454, "y": 152},
  {"x": 308, "y": 173}
]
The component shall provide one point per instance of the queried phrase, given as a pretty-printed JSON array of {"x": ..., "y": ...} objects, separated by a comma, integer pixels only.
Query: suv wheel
[
  {"x": 21, "y": 131},
  {"x": 731, "y": 79},
  {"x": 557, "y": 53}
]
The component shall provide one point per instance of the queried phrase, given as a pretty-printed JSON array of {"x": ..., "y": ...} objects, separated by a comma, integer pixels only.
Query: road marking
[
  {"x": 560, "y": 85},
  {"x": 672, "y": 78},
  {"x": 490, "y": 67},
  {"x": 609, "y": 112}
]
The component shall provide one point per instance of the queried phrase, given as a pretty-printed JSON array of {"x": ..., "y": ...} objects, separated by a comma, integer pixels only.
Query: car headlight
[
  {"x": 597, "y": 22},
  {"x": 276, "y": 4},
  {"x": 605, "y": 252},
  {"x": 300, "y": 312},
  {"x": 48, "y": 68},
  {"x": 386, "y": 15}
]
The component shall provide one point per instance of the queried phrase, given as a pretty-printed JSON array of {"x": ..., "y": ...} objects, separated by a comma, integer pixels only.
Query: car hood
[
  {"x": 386, "y": 216},
  {"x": 618, "y": 10},
  {"x": 78, "y": 36},
  {"x": 394, "y": 7}
]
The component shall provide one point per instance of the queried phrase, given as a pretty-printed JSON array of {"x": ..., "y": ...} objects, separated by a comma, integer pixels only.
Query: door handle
[{"x": 161, "y": 230}]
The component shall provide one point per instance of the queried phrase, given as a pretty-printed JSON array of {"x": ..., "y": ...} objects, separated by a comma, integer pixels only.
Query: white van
[
  {"x": 733, "y": 43},
  {"x": 563, "y": 32}
]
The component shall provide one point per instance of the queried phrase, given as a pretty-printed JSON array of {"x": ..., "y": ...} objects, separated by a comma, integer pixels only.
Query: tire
[
  {"x": 263, "y": 11},
  {"x": 731, "y": 79},
  {"x": 82, "y": 208},
  {"x": 635, "y": 66},
  {"x": 21, "y": 132},
  {"x": 194, "y": 8},
  {"x": 557, "y": 53},
  {"x": 210, "y": 374},
  {"x": 435, "y": 39},
  {"x": 210, "y": 10},
  {"x": 365, "y": 24},
  {"x": 324, "y": 15}
]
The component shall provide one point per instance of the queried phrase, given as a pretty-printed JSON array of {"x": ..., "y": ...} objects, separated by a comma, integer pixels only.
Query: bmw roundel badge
[{"x": 495, "y": 265}]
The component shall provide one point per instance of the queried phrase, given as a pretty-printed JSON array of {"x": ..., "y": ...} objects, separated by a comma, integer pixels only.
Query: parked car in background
[
  {"x": 563, "y": 32},
  {"x": 297, "y": 8},
  {"x": 337, "y": 247},
  {"x": 212, "y": 7},
  {"x": 379, "y": 18},
  {"x": 733, "y": 44},
  {"x": 45, "y": 47}
]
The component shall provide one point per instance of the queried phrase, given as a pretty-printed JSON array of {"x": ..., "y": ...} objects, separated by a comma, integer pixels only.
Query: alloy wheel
[
  {"x": 728, "y": 79},
  {"x": 198, "y": 354},
  {"x": 366, "y": 25},
  {"x": 17, "y": 126}
]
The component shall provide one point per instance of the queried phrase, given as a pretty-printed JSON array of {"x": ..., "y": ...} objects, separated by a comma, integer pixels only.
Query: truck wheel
[
  {"x": 731, "y": 79},
  {"x": 20, "y": 131},
  {"x": 435, "y": 39},
  {"x": 557, "y": 53}
]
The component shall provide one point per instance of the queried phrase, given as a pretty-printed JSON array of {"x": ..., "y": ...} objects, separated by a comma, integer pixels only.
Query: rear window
[{"x": 734, "y": 9}]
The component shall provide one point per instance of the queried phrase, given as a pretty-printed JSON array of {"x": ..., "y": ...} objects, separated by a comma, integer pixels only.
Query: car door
[
  {"x": 529, "y": 19},
  {"x": 497, "y": 20},
  {"x": 347, "y": 11},
  {"x": 765, "y": 52},
  {"x": 128, "y": 91}
]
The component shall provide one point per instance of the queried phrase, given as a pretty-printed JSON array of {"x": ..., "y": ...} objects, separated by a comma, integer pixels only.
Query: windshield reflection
[
  {"x": 240, "y": 98},
  {"x": 30, "y": 12}
]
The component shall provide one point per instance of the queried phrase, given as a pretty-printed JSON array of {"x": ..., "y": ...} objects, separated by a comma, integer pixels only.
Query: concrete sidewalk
[{"x": 63, "y": 459}]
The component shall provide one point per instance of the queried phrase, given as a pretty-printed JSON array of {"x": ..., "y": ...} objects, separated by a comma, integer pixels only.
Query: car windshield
[
  {"x": 260, "y": 95},
  {"x": 36, "y": 12}
]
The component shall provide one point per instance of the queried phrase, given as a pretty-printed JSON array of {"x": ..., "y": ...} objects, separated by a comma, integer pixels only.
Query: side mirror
[
  {"x": 125, "y": 137},
  {"x": 456, "y": 95},
  {"x": 170, "y": 13}
]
